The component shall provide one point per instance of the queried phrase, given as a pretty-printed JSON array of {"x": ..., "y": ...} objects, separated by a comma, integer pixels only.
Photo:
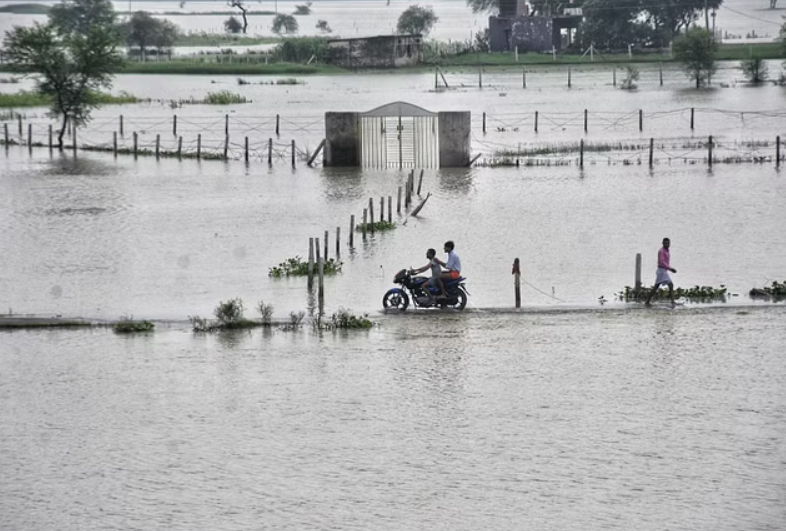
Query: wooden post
[
  {"x": 293, "y": 153},
  {"x": 114, "y": 143},
  {"x": 246, "y": 150},
  {"x": 174, "y": 125},
  {"x": 420, "y": 181},
  {"x": 614, "y": 76},
  {"x": 660, "y": 68},
  {"x": 19, "y": 120},
  {"x": 691, "y": 118},
  {"x": 352, "y": 231},
  {"x": 321, "y": 292},
  {"x": 652, "y": 145},
  {"x": 381, "y": 209},
  {"x": 338, "y": 243},
  {"x": 5, "y": 134},
  {"x": 135, "y": 144},
  {"x": 436, "y": 77},
  {"x": 278, "y": 119},
  {"x": 158, "y": 145},
  {"x": 226, "y": 125},
  {"x": 121, "y": 125},
  {"x": 180, "y": 148},
  {"x": 73, "y": 140},
  {"x": 327, "y": 234},
  {"x": 637, "y": 278},
  {"x": 310, "y": 262},
  {"x": 398, "y": 202},
  {"x": 50, "y": 137},
  {"x": 390, "y": 209},
  {"x": 569, "y": 84},
  {"x": 484, "y": 122},
  {"x": 371, "y": 213},
  {"x": 317, "y": 253},
  {"x": 777, "y": 151},
  {"x": 226, "y": 146},
  {"x": 30, "y": 138},
  {"x": 364, "y": 226},
  {"x": 585, "y": 120},
  {"x": 270, "y": 151},
  {"x": 523, "y": 78},
  {"x": 517, "y": 282},
  {"x": 581, "y": 154},
  {"x": 199, "y": 146},
  {"x": 480, "y": 75},
  {"x": 709, "y": 151},
  {"x": 536, "y": 121},
  {"x": 641, "y": 120}
]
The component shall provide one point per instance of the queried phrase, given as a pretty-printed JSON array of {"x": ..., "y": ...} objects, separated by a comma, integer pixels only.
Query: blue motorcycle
[{"x": 414, "y": 287}]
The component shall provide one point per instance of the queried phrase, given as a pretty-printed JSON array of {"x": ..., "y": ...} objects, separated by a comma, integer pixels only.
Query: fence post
[
  {"x": 484, "y": 122},
  {"x": 73, "y": 139},
  {"x": 614, "y": 76},
  {"x": 321, "y": 292},
  {"x": 5, "y": 134},
  {"x": 158, "y": 146},
  {"x": 19, "y": 120},
  {"x": 114, "y": 143},
  {"x": 310, "y": 263},
  {"x": 270, "y": 151},
  {"x": 536, "y": 121},
  {"x": 246, "y": 150},
  {"x": 691, "y": 118},
  {"x": 420, "y": 181},
  {"x": 709, "y": 151},
  {"x": 382, "y": 209},
  {"x": 226, "y": 146},
  {"x": 121, "y": 125},
  {"x": 365, "y": 223},
  {"x": 174, "y": 125},
  {"x": 278, "y": 119},
  {"x": 569, "y": 83},
  {"x": 581, "y": 154},
  {"x": 50, "y": 138},
  {"x": 637, "y": 278},
  {"x": 652, "y": 145},
  {"x": 226, "y": 125},
  {"x": 371, "y": 213},
  {"x": 338, "y": 243},
  {"x": 199, "y": 146},
  {"x": 517, "y": 282},
  {"x": 29, "y": 138},
  {"x": 352, "y": 231},
  {"x": 135, "y": 144},
  {"x": 523, "y": 78},
  {"x": 390, "y": 209},
  {"x": 777, "y": 151},
  {"x": 180, "y": 148},
  {"x": 398, "y": 202},
  {"x": 293, "y": 153},
  {"x": 641, "y": 120},
  {"x": 585, "y": 120},
  {"x": 660, "y": 68}
]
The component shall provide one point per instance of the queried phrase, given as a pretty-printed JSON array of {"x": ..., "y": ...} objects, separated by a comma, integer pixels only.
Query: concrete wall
[
  {"x": 342, "y": 132},
  {"x": 530, "y": 34},
  {"x": 454, "y": 139}
]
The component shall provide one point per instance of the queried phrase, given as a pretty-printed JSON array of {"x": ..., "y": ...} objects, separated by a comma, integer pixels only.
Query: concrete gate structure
[{"x": 397, "y": 135}]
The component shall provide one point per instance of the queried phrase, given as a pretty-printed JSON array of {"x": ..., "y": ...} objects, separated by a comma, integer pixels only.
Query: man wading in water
[{"x": 662, "y": 276}]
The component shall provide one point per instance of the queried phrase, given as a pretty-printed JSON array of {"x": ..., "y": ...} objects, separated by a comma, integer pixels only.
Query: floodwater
[{"x": 567, "y": 415}]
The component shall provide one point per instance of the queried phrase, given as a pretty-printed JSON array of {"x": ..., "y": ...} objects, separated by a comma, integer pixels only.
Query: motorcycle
[{"x": 414, "y": 287}]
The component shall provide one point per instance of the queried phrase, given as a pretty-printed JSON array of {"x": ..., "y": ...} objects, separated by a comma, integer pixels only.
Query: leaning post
[{"x": 517, "y": 282}]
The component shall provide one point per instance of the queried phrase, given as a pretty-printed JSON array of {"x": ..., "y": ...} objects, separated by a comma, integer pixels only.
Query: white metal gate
[{"x": 399, "y": 135}]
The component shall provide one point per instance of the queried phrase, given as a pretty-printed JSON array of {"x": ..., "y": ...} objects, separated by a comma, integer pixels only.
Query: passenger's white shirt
[{"x": 454, "y": 263}]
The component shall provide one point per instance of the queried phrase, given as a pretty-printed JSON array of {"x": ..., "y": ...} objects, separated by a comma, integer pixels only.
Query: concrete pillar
[
  {"x": 454, "y": 139},
  {"x": 342, "y": 138}
]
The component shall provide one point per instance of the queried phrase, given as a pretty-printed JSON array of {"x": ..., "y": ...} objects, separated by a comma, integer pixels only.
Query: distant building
[
  {"x": 517, "y": 26},
  {"x": 384, "y": 51}
]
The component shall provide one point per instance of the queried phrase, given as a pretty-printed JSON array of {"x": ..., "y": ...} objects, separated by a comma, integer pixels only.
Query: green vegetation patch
[
  {"x": 343, "y": 319},
  {"x": 35, "y": 99},
  {"x": 230, "y": 316},
  {"x": 694, "y": 294},
  {"x": 213, "y": 39},
  {"x": 297, "y": 267},
  {"x": 377, "y": 226},
  {"x": 223, "y": 97},
  {"x": 130, "y": 326},
  {"x": 178, "y": 67}
]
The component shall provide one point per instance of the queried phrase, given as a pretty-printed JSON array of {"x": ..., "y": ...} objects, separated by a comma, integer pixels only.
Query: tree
[
  {"x": 609, "y": 24},
  {"x": 416, "y": 20},
  {"x": 696, "y": 50},
  {"x": 81, "y": 15},
  {"x": 233, "y": 25},
  {"x": 303, "y": 9},
  {"x": 323, "y": 26},
  {"x": 72, "y": 65},
  {"x": 141, "y": 31},
  {"x": 754, "y": 69},
  {"x": 165, "y": 36},
  {"x": 669, "y": 17},
  {"x": 243, "y": 10},
  {"x": 285, "y": 23}
]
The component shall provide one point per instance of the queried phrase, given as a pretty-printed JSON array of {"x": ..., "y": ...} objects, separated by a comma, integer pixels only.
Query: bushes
[
  {"x": 297, "y": 267},
  {"x": 301, "y": 50}
]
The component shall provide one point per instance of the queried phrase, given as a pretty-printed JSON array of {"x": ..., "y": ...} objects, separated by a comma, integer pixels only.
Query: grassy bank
[
  {"x": 210, "y": 68},
  {"x": 218, "y": 39},
  {"x": 34, "y": 99}
]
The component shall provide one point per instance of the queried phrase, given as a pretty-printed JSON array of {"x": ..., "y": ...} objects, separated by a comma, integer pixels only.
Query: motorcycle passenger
[
  {"x": 453, "y": 265},
  {"x": 436, "y": 272}
]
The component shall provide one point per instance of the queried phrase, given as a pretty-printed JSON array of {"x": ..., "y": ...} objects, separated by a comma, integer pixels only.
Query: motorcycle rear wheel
[
  {"x": 396, "y": 299},
  {"x": 461, "y": 300}
]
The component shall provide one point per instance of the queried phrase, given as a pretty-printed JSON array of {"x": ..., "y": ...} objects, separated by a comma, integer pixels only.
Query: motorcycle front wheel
[{"x": 397, "y": 299}]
